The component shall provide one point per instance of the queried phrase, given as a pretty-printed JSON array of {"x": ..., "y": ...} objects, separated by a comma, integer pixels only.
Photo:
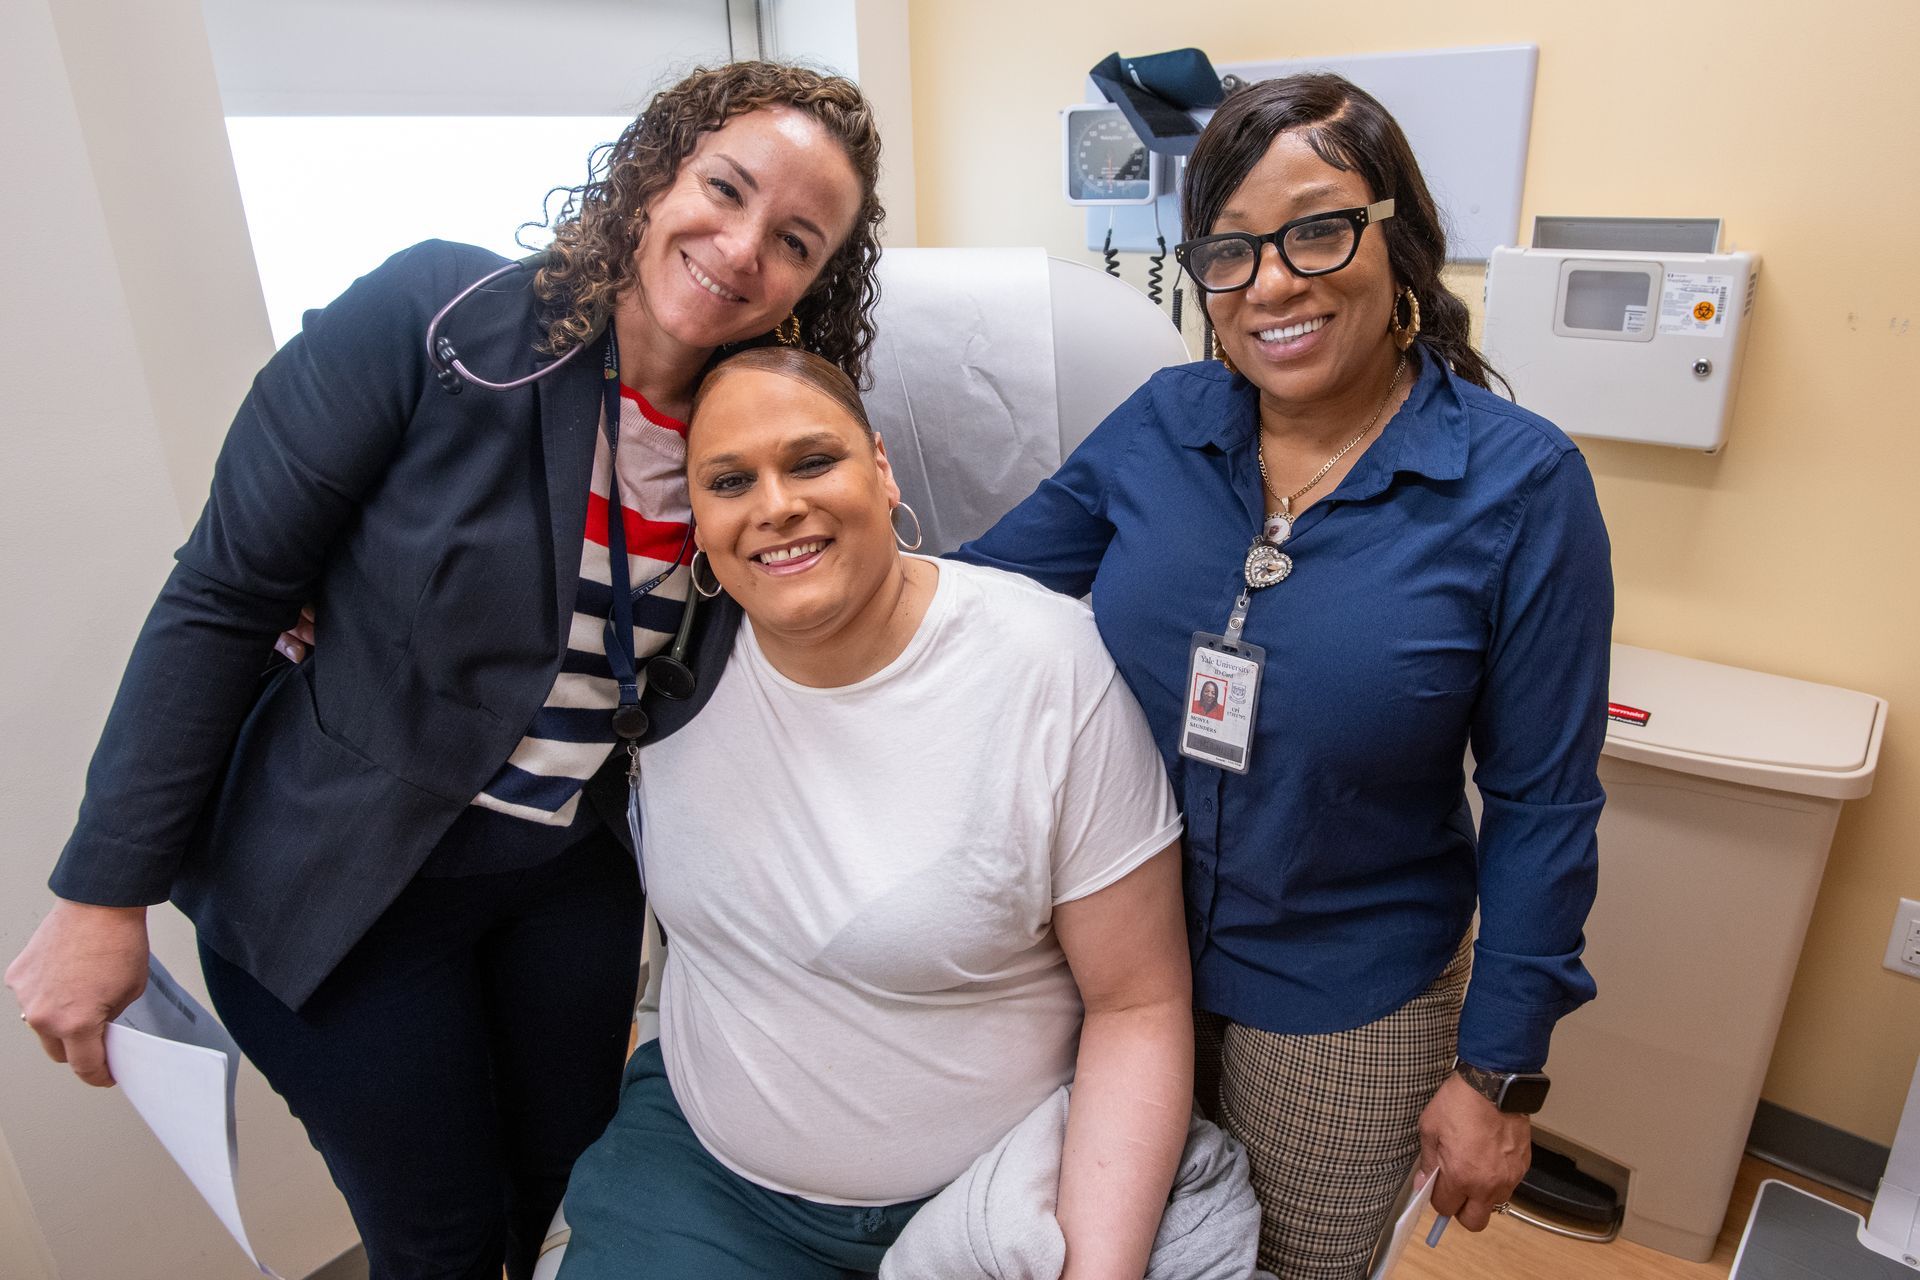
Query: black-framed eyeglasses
[{"x": 1316, "y": 245}]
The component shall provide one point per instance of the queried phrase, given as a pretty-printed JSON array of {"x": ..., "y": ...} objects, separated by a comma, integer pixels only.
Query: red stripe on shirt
[
  {"x": 662, "y": 540},
  {"x": 650, "y": 413}
]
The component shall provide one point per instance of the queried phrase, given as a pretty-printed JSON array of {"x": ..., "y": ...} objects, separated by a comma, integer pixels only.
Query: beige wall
[
  {"x": 131, "y": 324},
  {"x": 886, "y": 77},
  {"x": 1795, "y": 551}
]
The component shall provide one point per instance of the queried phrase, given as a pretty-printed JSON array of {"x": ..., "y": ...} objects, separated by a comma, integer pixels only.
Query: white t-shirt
[{"x": 863, "y": 990}]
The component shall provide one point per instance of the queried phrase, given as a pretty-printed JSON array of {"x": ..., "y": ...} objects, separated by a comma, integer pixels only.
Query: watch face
[{"x": 1524, "y": 1095}]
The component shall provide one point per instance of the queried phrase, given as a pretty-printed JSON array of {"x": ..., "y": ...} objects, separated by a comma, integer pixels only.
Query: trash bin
[{"x": 1723, "y": 788}]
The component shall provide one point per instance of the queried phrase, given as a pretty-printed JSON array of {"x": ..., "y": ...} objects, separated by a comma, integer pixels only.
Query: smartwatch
[{"x": 1519, "y": 1093}]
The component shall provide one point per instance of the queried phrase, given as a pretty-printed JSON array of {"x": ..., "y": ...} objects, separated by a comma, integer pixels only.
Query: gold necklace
[{"x": 1279, "y": 525}]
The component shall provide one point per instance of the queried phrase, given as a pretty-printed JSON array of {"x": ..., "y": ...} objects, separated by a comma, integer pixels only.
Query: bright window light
[{"x": 328, "y": 198}]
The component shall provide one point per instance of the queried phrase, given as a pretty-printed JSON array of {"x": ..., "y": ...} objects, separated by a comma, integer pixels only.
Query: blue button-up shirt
[{"x": 1453, "y": 590}]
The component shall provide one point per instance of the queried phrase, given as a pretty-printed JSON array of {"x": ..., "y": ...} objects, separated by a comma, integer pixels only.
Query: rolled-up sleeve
[{"x": 1537, "y": 733}]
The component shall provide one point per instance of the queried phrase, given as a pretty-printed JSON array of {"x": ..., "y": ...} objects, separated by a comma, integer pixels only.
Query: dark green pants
[{"x": 648, "y": 1203}]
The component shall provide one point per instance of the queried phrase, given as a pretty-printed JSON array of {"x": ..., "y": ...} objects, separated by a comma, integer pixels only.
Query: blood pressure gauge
[{"x": 1105, "y": 161}]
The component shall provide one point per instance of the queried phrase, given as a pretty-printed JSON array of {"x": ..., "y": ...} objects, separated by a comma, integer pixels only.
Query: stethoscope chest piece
[{"x": 672, "y": 677}]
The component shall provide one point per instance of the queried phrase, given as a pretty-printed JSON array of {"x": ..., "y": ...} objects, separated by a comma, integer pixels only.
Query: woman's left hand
[
  {"x": 297, "y": 641},
  {"x": 1481, "y": 1152}
]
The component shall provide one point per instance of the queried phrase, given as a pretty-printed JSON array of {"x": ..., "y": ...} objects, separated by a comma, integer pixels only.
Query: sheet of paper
[
  {"x": 177, "y": 1065},
  {"x": 1404, "y": 1228}
]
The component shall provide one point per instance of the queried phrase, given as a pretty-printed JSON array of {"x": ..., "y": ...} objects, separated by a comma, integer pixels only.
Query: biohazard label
[{"x": 1693, "y": 302}]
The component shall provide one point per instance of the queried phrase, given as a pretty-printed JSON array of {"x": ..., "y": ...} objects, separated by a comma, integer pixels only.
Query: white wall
[
  {"x": 131, "y": 325},
  {"x": 821, "y": 33},
  {"x": 165, "y": 185}
]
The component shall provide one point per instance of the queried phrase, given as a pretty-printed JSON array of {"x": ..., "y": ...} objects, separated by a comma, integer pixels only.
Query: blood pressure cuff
[{"x": 1155, "y": 93}]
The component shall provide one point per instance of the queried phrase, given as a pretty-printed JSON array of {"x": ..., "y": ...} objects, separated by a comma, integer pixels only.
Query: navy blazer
[{"x": 440, "y": 536}]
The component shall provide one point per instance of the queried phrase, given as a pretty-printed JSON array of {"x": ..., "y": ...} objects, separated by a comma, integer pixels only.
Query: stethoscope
[
  {"x": 666, "y": 672},
  {"x": 448, "y": 369}
]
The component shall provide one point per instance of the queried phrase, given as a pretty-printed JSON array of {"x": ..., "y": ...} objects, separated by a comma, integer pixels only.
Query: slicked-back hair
[{"x": 794, "y": 363}]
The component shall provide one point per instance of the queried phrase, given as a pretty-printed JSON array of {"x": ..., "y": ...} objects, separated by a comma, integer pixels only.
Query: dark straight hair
[{"x": 1349, "y": 129}]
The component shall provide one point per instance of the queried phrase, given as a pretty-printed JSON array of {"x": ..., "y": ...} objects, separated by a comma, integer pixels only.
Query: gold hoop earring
[
  {"x": 1215, "y": 351},
  {"x": 911, "y": 515},
  {"x": 787, "y": 332},
  {"x": 693, "y": 573},
  {"x": 1404, "y": 334}
]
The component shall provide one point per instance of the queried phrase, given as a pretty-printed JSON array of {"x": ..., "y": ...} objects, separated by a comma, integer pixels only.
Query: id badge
[{"x": 1223, "y": 692}]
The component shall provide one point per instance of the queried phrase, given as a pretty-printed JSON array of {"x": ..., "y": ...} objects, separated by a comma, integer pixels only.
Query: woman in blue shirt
[{"x": 1425, "y": 567}]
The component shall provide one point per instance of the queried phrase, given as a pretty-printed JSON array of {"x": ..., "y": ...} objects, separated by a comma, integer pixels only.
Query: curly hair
[
  {"x": 1349, "y": 129},
  {"x": 590, "y": 262}
]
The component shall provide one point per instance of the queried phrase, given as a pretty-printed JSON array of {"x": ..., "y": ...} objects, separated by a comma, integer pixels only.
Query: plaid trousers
[{"x": 1330, "y": 1122}]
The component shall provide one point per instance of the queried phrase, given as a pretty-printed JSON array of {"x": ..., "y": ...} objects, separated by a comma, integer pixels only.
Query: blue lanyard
[{"x": 629, "y": 719}]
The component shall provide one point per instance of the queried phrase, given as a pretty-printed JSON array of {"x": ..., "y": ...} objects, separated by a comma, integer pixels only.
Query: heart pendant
[{"x": 1266, "y": 565}]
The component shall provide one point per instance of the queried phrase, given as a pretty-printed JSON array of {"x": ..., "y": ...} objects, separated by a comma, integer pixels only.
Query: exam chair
[{"x": 989, "y": 367}]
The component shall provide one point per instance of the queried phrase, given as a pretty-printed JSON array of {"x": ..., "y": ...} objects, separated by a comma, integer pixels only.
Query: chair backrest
[{"x": 991, "y": 365}]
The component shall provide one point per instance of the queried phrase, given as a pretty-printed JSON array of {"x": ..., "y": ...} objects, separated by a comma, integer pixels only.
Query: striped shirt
[{"x": 572, "y": 734}]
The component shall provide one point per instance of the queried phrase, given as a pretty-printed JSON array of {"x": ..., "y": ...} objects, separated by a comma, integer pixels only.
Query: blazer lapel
[{"x": 569, "y": 424}]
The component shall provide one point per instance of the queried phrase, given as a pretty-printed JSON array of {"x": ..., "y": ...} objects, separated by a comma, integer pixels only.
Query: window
[
  {"x": 330, "y": 197},
  {"x": 362, "y": 126}
]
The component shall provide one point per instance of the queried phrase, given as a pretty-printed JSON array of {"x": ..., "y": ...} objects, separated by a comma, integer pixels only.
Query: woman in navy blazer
[{"x": 411, "y": 913}]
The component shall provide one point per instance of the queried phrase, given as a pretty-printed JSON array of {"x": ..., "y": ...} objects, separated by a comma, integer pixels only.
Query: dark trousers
[
  {"x": 648, "y": 1202},
  {"x": 461, "y": 1057}
]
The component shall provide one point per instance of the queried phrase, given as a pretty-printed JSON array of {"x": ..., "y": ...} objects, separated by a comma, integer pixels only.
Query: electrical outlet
[{"x": 1903, "y": 945}]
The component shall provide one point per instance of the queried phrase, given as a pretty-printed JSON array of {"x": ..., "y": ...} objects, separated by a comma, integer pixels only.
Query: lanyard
[
  {"x": 1225, "y": 672},
  {"x": 629, "y": 720}
]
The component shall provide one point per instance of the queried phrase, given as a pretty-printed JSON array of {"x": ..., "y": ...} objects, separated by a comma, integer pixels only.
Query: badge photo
[
  {"x": 1210, "y": 696},
  {"x": 1223, "y": 692}
]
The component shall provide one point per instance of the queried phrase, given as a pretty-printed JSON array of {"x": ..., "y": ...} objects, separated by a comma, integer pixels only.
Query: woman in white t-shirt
[{"x": 918, "y": 863}]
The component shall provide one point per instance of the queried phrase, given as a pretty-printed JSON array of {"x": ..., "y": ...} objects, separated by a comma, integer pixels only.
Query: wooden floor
[{"x": 1509, "y": 1250}]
